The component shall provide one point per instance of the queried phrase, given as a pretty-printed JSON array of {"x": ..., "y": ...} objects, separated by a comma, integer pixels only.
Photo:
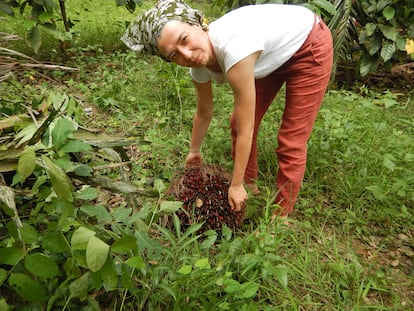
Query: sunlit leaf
[
  {"x": 388, "y": 12},
  {"x": 202, "y": 263},
  {"x": 231, "y": 286},
  {"x": 27, "y": 163},
  {"x": 60, "y": 181},
  {"x": 185, "y": 269},
  {"x": 136, "y": 262},
  {"x": 170, "y": 206},
  {"x": 96, "y": 253},
  {"x": 87, "y": 193},
  {"x": 248, "y": 290},
  {"x": 81, "y": 237},
  {"x": 281, "y": 274},
  {"x": 62, "y": 130},
  {"x": 159, "y": 185}
]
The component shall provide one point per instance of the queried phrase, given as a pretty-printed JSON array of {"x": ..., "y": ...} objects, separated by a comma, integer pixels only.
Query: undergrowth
[{"x": 349, "y": 245}]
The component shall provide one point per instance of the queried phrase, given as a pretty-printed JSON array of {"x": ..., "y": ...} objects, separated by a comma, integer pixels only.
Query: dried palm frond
[{"x": 11, "y": 60}]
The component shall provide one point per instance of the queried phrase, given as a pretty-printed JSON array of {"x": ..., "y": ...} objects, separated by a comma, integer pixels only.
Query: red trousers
[{"x": 306, "y": 76}]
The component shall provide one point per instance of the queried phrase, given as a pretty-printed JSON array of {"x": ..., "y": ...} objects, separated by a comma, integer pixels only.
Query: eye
[{"x": 172, "y": 56}]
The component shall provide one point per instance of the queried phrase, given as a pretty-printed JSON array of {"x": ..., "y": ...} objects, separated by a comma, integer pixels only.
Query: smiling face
[{"x": 186, "y": 45}]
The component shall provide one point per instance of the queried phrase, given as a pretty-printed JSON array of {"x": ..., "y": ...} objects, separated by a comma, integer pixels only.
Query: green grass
[{"x": 350, "y": 245}]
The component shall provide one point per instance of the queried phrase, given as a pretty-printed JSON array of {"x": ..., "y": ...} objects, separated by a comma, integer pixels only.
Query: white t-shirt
[{"x": 278, "y": 30}]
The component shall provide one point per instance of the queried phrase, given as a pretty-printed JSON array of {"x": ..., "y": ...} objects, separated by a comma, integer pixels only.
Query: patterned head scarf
[{"x": 142, "y": 35}]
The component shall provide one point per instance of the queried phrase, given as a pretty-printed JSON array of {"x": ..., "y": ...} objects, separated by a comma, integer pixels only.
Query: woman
[{"x": 256, "y": 49}]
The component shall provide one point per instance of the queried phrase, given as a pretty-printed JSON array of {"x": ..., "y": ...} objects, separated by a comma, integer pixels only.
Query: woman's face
[{"x": 184, "y": 44}]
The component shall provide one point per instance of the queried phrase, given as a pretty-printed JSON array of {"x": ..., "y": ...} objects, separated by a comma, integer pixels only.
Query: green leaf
[
  {"x": 281, "y": 274},
  {"x": 125, "y": 245},
  {"x": 159, "y": 185},
  {"x": 136, "y": 262},
  {"x": 169, "y": 207},
  {"x": 96, "y": 253},
  {"x": 75, "y": 145},
  {"x": 79, "y": 287},
  {"x": 231, "y": 286},
  {"x": 248, "y": 290},
  {"x": 388, "y": 161},
  {"x": 83, "y": 170},
  {"x": 29, "y": 234},
  {"x": 378, "y": 192},
  {"x": 185, "y": 269},
  {"x": 60, "y": 181},
  {"x": 27, "y": 163},
  {"x": 54, "y": 242},
  {"x": 389, "y": 32},
  {"x": 368, "y": 64},
  {"x": 27, "y": 288},
  {"x": 388, "y": 13},
  {"x": 109, "y": 276},
  {"x": 34, "y": 38},
  {"x": 41, "y": 265},
  {"x": 325, "y": 5},
  {"x": 81, "y": 237},
  {"x": 10, "y": 255},
  {"x": 87, "y": 193},
  {"x": 202, "y": 263},
  {"x": 388, "y": 50},
  {"x": 62, "y": 130},
  {"x": 3, "y": 276}
]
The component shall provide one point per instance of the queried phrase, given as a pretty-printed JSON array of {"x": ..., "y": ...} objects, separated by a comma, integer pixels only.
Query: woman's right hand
[{"x": 193, "y": 159}]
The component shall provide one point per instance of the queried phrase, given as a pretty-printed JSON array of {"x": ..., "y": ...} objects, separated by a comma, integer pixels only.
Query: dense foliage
[{"x": 367, "y": 33}]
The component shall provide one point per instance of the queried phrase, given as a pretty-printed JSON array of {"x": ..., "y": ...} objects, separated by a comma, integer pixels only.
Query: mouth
[{"x": 197, "y": 60}]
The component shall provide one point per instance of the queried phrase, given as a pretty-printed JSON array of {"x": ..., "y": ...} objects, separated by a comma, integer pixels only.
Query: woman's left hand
[{"x": 237, "y": 197}]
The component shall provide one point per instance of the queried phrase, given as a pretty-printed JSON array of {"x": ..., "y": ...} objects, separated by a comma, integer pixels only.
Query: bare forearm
[
  {"x": 243, "y": 146},
  {"x": 200, "y": 127}
]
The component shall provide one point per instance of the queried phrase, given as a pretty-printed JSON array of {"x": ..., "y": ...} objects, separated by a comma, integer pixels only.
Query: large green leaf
[
  {"x": 75, "y": 146},
  {"x": 34, "y": 38},
  {"x": 389, "y": 32},
  {"x": 27, "y": 163},
  {"x": 63, "y": 129},
  {"x": 368, "y": 64},
  {"x": 27, "y": 288},
  {"x": 79, "y": 287},
  {"x": 81, "y": 237},
  {"x": 10, "y": 255},
  {"x": 60, "y": 182},
  {"x": 325, "y": 5},
  {"x": 388, "y": 13},
  {"x": 41, "y": 265},
  {"x": 96, "y": 253},
  {"x": 388, "y": 50}
]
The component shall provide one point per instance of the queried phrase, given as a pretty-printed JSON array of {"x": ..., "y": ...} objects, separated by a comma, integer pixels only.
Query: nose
[{"x": 184, "y": 52}]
